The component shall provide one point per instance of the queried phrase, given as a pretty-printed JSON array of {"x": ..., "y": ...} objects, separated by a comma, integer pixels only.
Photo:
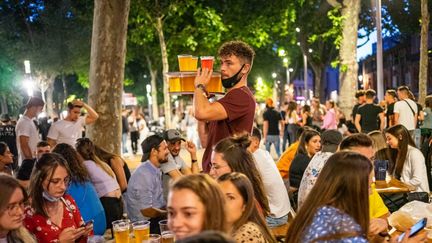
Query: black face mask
[{"x": 228, "y": 83}]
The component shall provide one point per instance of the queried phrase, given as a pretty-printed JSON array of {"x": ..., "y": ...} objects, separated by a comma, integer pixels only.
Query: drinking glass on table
[
  {"x": 141, "y": 230},
  {"x": 121, "y": 231},
  {"x": 166, "y": 233},
  {"x": 153, "y": 238}
]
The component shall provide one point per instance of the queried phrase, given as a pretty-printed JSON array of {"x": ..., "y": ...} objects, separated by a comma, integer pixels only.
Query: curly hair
[
  {"x": 239, "y": 49},
  {"x": 79, "y": 172}
]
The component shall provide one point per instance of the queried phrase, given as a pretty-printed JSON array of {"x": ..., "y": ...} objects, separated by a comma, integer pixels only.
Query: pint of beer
[
  {"x": 141, "y": 230},
  {"x": 121, "y": 231}
]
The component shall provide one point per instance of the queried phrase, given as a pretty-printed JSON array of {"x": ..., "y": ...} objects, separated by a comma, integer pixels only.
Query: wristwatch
[{"x": 202, "y": 87}]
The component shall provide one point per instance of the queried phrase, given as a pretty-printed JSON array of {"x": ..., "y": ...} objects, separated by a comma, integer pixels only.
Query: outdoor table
[{"x": 393, "y": 186}]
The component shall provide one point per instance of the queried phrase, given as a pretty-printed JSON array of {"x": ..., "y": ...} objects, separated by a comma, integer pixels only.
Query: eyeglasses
[
  {"x": 12, "y": 208},
  {"x": 57, "y": 181}
]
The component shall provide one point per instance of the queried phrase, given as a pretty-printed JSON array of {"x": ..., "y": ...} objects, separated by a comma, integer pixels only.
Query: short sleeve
[
  {"x": 53, "y": 132},
  {"x": 396, "y": 108},
  {"x": 24, "y": 129},
  {"x": 169, "y": 166},
  {"x": 265, "y": 116},
  {"x": 81, "y": 120},
  {"x": 236, "y": 103}
]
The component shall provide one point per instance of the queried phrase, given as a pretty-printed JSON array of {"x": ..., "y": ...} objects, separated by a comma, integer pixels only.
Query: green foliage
[{"x": 263, "y": 90}]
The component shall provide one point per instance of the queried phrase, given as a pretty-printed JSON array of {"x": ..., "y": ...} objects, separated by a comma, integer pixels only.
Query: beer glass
[
  {"x": 207, "y": 62},
  {"x": 121, "y": 231},
  {"x": 166, "y": 234},
  {"x": 184, "y": 62},
  {"x": 141, "y": 230}
]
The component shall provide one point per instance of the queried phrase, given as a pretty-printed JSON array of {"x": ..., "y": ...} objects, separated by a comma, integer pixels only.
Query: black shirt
[
  {"x": 369, "y": 117},
  {"x": 389, "y": 112},
  {"x": 7, "y": 135},
  {"x": 297, "y": 168},
  {"x": 273, "y": 117}
]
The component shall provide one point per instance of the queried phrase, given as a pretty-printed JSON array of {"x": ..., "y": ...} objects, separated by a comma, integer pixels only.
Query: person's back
[
  {"x": 286, "y": 159},
  {"x": 273, "y": 184},
  {"x": 89, "y": 205},
  {"x": 370, "y": 120}
]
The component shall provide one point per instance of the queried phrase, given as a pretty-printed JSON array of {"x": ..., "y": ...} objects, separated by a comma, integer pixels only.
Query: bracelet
[
  {"x": 202, "y": 87},
  {"x": 194, "y": 160}
]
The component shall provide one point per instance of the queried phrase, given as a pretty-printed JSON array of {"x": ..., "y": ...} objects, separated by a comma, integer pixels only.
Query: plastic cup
[
  {"x": 154, "y": 238},
  {"x": 193, "y": 64},
  {"x": 184, "y": 62},
  {"x": 121, "y": 231},
  {"x": 141, "y": 230},
  {"x": 166, "y": 234},
  {"x": 207, "y": 62}
]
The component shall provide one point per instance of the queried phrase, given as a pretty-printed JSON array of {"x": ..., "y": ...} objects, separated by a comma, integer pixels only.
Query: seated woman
[
  {"x": 243, "y": 219},
  {"x": 81, "y": 188},
  {"x": 310, "y": 144},
  {"x": 104, "y": 180},
  {"x": 329, "y": 215},
  {"x": 12, "y": 204},
  {"x": 195, "y": 204},
  {"x": 231, "y": 155},
  {"x": 117, "y": 164},
  {"x": 410, "y": 166},
  {"x": 53, "y": 215},
  {"x": 6, "y": 158}
]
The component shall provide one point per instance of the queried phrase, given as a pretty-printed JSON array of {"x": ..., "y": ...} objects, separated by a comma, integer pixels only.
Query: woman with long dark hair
[
  {"x": 81, "y": 188},
  {"x": 231, "y": 155},
  {"x": 104, "y": 180},
  {"x": 117, "y": 164},
  {"x": 410, "y": 165},
  {"x": 337, "y": 208},
  {"x": 310, "y": 144},
  {"x": 54, "y": 215},
  {"x": 12, "y": 200},
  {"x": 243, "y": 219},
  {"x": 6, "y": 158}
]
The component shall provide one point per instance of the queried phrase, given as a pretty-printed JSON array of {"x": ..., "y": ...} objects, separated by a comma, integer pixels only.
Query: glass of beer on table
[
  {"x": 166, "y": 234},
  {"x": 207, "y": 62},
  {"x": 121, "y": 231},
  {"x": 141, "y": 230}
]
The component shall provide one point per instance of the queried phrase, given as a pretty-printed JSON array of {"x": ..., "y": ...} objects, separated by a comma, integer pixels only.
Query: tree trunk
[
  {"x": 348, "y": 55},
  {"x": 153, "y": 78},
  {"x": 318, "y": 70},
  {"x": 107, "y": 62},
  {"x": 49, "y": 97},
  {"x": 424, "y": 59},
  {"x": 165, "y": 68},
  {"x": 3, "y": 105},
  {"x": 65, "y": 92}
]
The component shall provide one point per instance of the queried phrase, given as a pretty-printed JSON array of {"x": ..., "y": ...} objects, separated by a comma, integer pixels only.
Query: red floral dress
[{"x": 47, "y": 231}]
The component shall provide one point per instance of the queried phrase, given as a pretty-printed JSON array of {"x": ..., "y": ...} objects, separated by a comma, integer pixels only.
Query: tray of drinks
[{"x": 183, "y": 83}]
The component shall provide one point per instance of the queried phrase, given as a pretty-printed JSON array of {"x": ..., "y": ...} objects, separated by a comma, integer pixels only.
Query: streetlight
[
  {"x": 28, "y": 82},
  {"x": 274, "y": 75},
  {"x": 149, "y": 98},
  {"x": 306, "y": 93},
  {"x": 297, "y": 29}
]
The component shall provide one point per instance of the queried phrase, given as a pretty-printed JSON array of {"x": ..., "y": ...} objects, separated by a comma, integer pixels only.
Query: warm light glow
[
  {"x": 297, "y": 29},
  {"x": 148, "y": 88},
  {"x": 310, "y": 50},
  {"x": 291, "y": 70},
  {"x": 274, "y": 75},
  {"x": 27, "y": 67}
]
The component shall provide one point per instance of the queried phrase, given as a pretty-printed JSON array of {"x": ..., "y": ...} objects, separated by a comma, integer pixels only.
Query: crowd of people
[{"x": 68, "y": 188}]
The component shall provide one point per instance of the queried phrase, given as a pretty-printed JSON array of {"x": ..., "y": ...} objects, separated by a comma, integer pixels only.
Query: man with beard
[
  {"x": 232, "y": 114},
  {"x": 27, "y": 135},
  {"x": 144, "y": 197},
  {"x": 70, "y": 129},
  {"x": 176, "y": 166}
]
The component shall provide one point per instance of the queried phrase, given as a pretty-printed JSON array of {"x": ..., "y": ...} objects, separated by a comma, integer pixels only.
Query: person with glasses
[
  {"x": 82, "y": 189},
  {"x": 54, "y": 215},
  {"x": 12, "y": 204}
]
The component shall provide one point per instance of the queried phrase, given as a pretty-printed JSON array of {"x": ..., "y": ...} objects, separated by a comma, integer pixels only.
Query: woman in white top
[
  {"x": 410, "y": 165},
  {"x": 291, "y": 119}
]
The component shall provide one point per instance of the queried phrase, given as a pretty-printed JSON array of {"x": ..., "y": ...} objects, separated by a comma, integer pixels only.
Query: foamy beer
[
  {"x": 168, "y": 237},
  {"x": 121, "y": 231},
  {"x": 184, "y": 62},
  {"x": 183, "y": 83},
  {"x": 141, "y": 230}
]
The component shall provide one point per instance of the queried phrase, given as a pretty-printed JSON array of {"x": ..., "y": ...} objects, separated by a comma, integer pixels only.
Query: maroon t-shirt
[{"x": 239, "y": 104}]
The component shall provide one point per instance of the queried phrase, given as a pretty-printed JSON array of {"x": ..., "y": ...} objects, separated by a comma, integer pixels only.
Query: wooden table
[{"x": 393, "y": 186}]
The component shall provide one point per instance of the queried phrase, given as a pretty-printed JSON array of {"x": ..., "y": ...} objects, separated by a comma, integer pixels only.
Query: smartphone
[
  {"x": 415, "y": 228},
  {"x": 88, "y": 223}
]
